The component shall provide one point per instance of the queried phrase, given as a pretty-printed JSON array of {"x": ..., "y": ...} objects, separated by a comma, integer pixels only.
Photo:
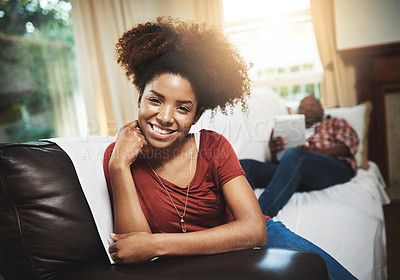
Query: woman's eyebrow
[
  {"x": 179, "y": 101},
  {"x": 185, "y": 101},
  {"x": 157, "y": 93}
]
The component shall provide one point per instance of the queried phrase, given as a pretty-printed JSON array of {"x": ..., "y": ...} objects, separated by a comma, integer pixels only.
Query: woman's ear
[
  {"x": 199, "y": 113},
  {"x": 139, "y": 100}
]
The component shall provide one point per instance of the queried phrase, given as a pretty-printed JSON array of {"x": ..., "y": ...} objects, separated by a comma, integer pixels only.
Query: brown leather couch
[{"x": 47, "y": 232}]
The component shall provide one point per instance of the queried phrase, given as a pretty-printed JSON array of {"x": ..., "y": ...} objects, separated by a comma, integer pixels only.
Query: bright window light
[
  {"x": 277, "y": 38},
  {"x": 237, "y": 10}
]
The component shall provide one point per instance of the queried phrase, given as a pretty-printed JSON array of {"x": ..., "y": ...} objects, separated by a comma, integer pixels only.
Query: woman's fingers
[
  {"x": 116, "y": 259},
  {"x": 130, "y": 142},
  {"x": 132, "y": 124}
]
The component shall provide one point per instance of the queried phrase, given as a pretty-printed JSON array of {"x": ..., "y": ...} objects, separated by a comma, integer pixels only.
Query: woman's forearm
[
  {"x": 247, "y": 231},
  {"x": 128, "y": 214},
  {"x": 233, "y": 236}
]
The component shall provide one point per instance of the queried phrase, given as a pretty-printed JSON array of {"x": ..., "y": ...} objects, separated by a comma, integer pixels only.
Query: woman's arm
[
  {"x": 128, "y": 214},
  {"x": 247, "y": 231}
]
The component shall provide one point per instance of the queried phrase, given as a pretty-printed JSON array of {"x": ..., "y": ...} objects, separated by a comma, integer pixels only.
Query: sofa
[
  {"x": 345, "y": 220},
  {"x": 47, "y": 231}
]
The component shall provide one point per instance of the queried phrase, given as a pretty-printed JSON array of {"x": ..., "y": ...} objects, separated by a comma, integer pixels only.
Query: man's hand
[{"x": 276, "y": 144}]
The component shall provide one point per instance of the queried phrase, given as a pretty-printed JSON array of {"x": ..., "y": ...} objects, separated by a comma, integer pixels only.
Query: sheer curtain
[
  {"x": 111, "y": 100},
  {"x": 338, "y": 89},
  {"x": 210, "y": 11}
]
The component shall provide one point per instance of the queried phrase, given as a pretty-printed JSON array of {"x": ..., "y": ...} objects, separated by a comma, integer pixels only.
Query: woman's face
[{"x": 167, "y": 110}]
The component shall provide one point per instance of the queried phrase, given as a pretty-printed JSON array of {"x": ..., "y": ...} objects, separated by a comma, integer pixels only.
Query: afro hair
[{"x": 195, "y": 51}]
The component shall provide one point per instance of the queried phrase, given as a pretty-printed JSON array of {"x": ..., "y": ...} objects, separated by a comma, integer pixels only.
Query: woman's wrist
[
  {"x": 159, "y": 245},
  {"x": 116, "y": 165}
]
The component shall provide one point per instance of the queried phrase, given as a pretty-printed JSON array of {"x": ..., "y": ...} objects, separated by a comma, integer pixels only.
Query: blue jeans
[
  {"x": 281, "y": 237},
  {"x": 298, "y": 169}
]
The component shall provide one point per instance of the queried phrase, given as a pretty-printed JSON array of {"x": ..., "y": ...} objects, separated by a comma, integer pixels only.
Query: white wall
[{"x": 363, "y": 23}]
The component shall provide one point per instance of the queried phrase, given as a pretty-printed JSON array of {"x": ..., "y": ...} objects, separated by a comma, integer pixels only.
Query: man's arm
[{"x": 339, "y": 150}]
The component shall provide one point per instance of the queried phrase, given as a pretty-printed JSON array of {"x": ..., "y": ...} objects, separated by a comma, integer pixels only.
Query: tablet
[{"x": 293, "y": 128}]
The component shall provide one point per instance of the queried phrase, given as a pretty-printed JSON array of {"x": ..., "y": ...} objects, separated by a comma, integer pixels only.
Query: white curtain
[
  {"x": 210, "y": 11},
  {"x": 111, "y": 100},
  {"x": 338, "y": 89}
]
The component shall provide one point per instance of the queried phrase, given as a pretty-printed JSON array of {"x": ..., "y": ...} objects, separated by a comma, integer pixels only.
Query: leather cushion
[{"x": 46, "y": 224}]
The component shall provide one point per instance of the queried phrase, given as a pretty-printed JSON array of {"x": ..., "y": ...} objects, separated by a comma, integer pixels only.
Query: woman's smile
[{"x": 160, "y": 132}]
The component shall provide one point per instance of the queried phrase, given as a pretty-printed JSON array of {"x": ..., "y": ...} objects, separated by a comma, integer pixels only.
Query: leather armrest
[{"x": 272, "y": 264}]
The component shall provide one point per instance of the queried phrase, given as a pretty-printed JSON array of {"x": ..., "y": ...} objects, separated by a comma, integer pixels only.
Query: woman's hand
[
  {"x": 128, "y": 214},
  {"x": 132, "y": 248},
  {"x": 130, "y": 142}
]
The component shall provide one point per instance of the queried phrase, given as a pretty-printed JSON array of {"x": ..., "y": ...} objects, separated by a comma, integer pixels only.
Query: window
[
  {"x": 277, "y": 38},
  {"x": 37, "y": 71}
]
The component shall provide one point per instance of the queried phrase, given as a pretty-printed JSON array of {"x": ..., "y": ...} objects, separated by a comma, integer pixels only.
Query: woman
[{"x": 176, "y": 193}]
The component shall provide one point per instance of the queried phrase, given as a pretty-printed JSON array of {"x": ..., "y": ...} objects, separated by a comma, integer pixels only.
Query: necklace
[{"x": 182, "y": 220}]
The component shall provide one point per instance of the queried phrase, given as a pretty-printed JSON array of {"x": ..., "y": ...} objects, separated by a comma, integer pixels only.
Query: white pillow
[
  {"x": 248, "y": 132},
  {"x": 358, "y": 117},
  {"x": 86, "y": 154}
]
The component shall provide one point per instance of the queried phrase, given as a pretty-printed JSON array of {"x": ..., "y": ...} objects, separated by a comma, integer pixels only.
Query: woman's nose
[{"x": 165, "y": 115}]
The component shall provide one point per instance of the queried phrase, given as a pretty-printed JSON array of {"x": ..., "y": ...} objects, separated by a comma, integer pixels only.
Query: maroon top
[{"x": 217, "y": 164}]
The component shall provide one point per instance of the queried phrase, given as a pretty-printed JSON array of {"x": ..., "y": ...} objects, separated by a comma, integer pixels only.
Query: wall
[
  {"x": 392, "y": 102},
  {"x": 362, "y": 23}
]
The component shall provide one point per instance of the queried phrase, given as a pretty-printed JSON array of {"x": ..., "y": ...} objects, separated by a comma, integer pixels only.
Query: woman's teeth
[{"x": 160, "y": 131}]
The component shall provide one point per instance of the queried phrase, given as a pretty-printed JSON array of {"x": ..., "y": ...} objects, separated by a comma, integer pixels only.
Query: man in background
[{"x": 327, "y": 160}]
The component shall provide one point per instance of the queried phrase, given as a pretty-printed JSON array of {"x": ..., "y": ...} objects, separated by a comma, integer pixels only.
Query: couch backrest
[
  {"x": 248, "y": 132},
  {"x": 45, "y": 221}
]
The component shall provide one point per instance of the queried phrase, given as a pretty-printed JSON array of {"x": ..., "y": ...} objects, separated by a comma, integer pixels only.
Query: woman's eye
[
  {"x": 184, "y": 109},
  {"x": 154, "y": 100}
]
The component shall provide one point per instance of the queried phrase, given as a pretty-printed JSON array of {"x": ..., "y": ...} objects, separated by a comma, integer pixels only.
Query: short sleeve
[
  {"x": 227, "y": 162},
  {"x": 106, "y": 160}
]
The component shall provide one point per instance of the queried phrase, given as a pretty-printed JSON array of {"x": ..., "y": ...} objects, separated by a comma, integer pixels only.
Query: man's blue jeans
[
  {"x": 281, "y": 237},
  {"x": 298, "y": 169}
]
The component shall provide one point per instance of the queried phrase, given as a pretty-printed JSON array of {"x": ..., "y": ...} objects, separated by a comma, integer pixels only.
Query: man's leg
[
  {"x": 297, "y": 166},
  {"x": 258, "y": 173},
  {"x": 281, "y": 237}
]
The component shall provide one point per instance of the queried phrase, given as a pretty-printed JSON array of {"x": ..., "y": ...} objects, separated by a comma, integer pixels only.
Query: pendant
[{"x": 183, "y": 226}]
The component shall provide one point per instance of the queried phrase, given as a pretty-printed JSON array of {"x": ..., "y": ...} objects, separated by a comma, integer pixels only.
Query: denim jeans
[
  {"x": 298, "y": 169},
  {"x": 281, "y": 237}
]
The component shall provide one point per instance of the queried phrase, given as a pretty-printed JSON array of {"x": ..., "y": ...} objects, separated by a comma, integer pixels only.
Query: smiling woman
[{"x": 175, "y": 193}]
